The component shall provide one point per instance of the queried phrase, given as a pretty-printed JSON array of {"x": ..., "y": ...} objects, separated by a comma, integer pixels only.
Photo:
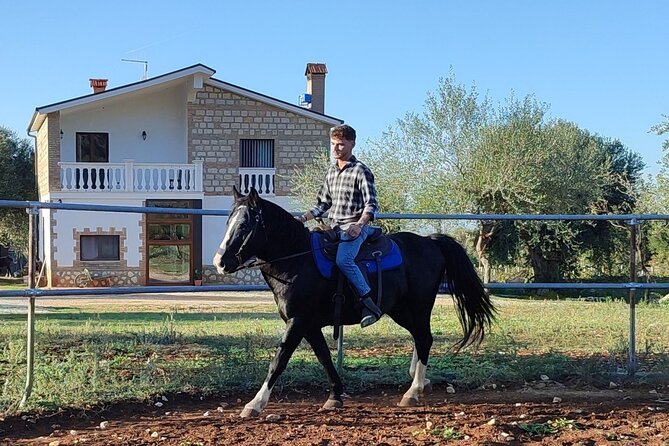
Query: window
[
  {"x": 92, "y": 147},
  {"x": 100, "y": 247},
  {"x": 256, "y": 153}
]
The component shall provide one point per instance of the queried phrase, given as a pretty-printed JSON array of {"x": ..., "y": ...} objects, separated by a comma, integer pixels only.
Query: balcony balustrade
[
  {"x": 129, "y": 176},
  {"x": 262, "y": 178}
]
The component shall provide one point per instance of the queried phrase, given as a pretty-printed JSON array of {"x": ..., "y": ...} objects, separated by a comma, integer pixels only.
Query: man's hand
[
  {"x": 304, "y": 217},
  {"x": 354, "y": 230}
]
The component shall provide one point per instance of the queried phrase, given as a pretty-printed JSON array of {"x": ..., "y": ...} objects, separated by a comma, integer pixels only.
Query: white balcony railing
[
  {"x": 129, "y": 176},
  {"x": 262, "y": 178}
]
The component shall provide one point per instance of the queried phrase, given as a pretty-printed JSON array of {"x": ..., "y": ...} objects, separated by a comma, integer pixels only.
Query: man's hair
[{"x": 344, "y": 131}]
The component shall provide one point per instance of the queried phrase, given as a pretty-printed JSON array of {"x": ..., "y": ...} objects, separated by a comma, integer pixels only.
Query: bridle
[{"x": 258, "y": 220}]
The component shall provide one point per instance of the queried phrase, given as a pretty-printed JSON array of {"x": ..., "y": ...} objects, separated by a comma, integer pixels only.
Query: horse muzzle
[{"x": 225, "y": 265}]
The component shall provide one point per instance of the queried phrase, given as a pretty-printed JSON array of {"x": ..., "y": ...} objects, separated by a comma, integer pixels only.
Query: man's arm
[
  {"x": 364, "y": 219},
  {"x": 368, "y": 191}
]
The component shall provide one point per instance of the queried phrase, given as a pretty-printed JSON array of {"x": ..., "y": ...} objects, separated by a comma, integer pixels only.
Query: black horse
[
  {"x": 261, "y": 229},
  {"x": 6, "y": 264}
]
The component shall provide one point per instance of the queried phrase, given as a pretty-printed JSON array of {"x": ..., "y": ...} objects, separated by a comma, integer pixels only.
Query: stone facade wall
[
  {"x": 244, "y": 277},
  {"x": 54, "y": 151},
  {"x": 48, "y": 154},
  {"x": 218, "y": 119}
]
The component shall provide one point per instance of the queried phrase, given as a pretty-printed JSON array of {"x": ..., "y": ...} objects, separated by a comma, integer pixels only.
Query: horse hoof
[
  {"x": 249, "y": 413},
  {"x": 409, "y": 402},
  {"x": 331, "y": 405}
]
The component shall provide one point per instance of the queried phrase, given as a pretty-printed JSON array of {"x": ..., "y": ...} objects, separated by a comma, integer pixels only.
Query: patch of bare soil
[{"x": 548, "y": 415}]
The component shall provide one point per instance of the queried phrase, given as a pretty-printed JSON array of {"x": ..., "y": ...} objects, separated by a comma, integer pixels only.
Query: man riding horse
[{"x": 349, "y": 194}]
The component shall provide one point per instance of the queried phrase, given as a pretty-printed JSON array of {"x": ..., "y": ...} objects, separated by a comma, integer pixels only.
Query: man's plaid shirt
[{"x": 347, "y": 193}]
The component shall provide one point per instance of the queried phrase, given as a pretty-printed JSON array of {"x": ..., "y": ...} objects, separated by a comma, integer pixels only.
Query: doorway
[{"x": 172, "y": 244}]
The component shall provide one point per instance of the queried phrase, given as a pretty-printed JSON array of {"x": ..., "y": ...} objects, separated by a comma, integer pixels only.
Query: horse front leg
[
  {"x": 295, "y": 329},
  {"x": 317, "y": 341}
]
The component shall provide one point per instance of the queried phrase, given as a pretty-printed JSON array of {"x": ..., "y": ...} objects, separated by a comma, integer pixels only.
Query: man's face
[{"x": 342, "y": 148}]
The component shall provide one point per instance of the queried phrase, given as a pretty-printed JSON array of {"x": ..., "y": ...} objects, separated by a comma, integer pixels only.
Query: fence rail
[{"x": 32, "y": 293}]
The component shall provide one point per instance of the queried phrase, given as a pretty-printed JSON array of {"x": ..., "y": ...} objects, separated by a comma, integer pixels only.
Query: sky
[{"x": 600, "y": 64}]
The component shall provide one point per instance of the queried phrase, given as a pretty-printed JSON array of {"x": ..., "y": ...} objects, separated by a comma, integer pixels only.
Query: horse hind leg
[
  {"x": 414, "y": 361},
  {"x": 427, "y": 384},
  {"x": 417, "y": 370}
]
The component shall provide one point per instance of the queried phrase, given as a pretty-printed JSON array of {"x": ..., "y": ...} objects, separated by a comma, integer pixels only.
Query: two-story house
[{"x": 182, "y": 139}]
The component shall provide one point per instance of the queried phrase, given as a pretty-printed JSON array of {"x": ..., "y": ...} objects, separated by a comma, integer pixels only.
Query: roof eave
[{"x": 93, "y": 97}]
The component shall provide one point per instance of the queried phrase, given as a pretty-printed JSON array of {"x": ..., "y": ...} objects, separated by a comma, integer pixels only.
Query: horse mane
[{"x": 283, "y": 228}]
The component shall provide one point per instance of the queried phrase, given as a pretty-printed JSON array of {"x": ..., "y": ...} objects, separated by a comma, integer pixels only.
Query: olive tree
[
  {"x": 17, "y": 182},
  {"x": 656, "y": 200}
]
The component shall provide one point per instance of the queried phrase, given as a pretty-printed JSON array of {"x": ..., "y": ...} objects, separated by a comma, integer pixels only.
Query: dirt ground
[
  {"x": 536, "y": 414},
  {"x": 541, "y": 413}
]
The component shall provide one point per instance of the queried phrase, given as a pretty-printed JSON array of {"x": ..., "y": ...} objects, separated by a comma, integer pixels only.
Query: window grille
[{"x": 256, "y": 153}]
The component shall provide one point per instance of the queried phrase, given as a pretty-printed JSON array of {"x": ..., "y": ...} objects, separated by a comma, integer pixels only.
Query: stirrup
[
  {"x": 370, "y": 312},
  {"x": 368, "y": 319}
]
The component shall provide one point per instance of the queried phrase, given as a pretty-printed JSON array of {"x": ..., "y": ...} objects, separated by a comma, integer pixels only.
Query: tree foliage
[
  {"x": 17, "y": 182},
  {"x": 470, "y": 156},
  {"x": 462, "y": 154},
  {"x": 656, "y": 200}
]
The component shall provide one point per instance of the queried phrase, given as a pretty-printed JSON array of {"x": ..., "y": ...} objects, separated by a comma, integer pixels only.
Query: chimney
[
  {"x": 315, "y": 73},
  {"x": 99, "y": 85}
]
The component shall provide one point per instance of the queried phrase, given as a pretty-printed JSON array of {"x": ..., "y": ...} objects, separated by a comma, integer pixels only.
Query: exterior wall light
[{"x": 144, "y": 135}]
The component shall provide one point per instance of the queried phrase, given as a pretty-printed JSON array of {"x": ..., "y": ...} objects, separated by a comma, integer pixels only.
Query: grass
[
  {"x": 446, "y": 432},
  {"x": 550, "y": 427},
  {"x": 12, "y": 283},
  {"x": 91, "y": 356}
]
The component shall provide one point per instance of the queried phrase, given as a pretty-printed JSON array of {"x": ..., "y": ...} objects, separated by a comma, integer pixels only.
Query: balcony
[
  {"x": 129, "y": 176},
  {"x": 262, "y": 178}
]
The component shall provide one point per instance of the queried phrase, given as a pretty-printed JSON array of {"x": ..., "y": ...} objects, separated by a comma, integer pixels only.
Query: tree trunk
[
  {"x": 546, "y": 267},
  {"x": 482, "y": 244}
]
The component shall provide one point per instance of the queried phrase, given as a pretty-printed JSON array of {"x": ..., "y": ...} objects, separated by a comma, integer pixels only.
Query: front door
[{"x": 172, "y": 244}]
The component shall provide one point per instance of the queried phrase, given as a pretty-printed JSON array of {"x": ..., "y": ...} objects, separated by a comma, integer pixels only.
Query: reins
[{"x": 255, "y": 264}]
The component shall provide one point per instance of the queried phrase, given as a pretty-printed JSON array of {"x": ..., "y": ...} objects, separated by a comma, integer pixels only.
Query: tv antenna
[{"x": 146, "y": 66}]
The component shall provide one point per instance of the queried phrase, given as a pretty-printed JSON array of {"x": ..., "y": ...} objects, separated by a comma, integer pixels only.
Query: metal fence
[{"x": 32, "y": 293}]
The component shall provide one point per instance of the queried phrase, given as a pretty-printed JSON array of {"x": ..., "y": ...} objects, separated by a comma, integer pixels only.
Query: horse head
[{"x": 245, "y": 234}]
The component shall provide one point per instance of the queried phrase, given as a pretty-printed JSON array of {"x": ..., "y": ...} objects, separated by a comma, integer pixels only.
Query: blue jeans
[{"x": 348, "y": 249}]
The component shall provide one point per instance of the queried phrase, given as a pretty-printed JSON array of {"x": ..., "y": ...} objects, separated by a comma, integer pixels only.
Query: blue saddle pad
[{"x": 392, "y": 259}]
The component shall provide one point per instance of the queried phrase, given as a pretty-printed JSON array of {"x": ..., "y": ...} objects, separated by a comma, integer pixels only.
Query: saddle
[{"x": 378, "y": 251}]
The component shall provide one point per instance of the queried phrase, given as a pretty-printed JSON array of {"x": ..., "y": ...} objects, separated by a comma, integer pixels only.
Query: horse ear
[
  {"x": 235, "y": 193},
  {"x": 253, "y": 196}
]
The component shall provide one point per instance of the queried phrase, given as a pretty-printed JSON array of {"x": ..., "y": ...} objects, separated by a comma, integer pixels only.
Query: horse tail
[{"x": 475, "y": 310}]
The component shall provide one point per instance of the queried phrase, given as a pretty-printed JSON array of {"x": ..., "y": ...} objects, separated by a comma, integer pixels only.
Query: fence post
[
  {"x": 340, "y": 349},
  {"x": 33, "y": 213},
  {"x": 632, "y": 359}
]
